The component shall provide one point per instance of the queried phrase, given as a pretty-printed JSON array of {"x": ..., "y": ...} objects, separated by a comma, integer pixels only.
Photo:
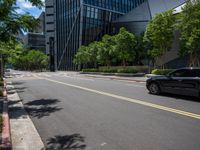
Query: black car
[{"x": 184, "y": 81}]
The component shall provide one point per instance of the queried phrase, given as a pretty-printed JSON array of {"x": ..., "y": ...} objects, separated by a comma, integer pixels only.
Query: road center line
[{"x": 160, "y": 107}]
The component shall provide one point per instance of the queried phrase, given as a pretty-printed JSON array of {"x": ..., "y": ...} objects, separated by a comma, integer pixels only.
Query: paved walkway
[{"x": 23, "y": 133}]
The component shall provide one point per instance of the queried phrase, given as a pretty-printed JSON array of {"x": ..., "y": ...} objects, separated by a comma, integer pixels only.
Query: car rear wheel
[{"x": 154, "y": 88}]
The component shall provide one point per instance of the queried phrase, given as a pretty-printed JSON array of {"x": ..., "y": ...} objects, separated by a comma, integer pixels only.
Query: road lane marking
[
  {"x": 152, "y": 105},
  {"x": 134, "y": 85},
  {"x": 77, "y": 78}
]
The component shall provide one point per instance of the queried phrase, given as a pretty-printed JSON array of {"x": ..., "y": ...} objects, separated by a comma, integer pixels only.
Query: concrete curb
[
  {"x": 117, "y": 78},
  {"x": 24, "y": 135},
  {"x": 115, "y": 74},
  {"x": 6, "y": 134}
]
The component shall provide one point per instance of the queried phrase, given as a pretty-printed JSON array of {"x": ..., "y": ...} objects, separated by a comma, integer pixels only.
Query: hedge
[
  {"x": 119, "y": 69},
  {"x": 161, "y": 71}
]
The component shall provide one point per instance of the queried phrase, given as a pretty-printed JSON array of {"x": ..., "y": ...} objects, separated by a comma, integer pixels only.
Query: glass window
[{"x": 181, "y": 73}]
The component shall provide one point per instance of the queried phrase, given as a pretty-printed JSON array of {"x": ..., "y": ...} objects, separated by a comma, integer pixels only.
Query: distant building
[
  {"x": 36, "y": 40},
  {"x": 72, "y": 23},
  {"x": 41, "y": 27}
]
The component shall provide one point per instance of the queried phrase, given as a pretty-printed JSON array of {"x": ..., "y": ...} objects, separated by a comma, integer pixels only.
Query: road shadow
[
  {"x": 41, "y": 108},
  {"x": 17, "y": 83},
  {"x": 67, "y": 142},
  {"x": 37, "y": 108},
  {"x": 14, "y": 89},
  {"x": 181, "y": 97}
]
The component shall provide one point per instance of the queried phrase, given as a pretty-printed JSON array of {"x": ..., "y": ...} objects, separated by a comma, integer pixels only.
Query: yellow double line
[{"x": 168, "y": 109}]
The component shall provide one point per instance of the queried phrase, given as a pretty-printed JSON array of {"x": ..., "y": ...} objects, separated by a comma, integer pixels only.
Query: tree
[
  {"x": 140, "y": 50},
  {"x": 106, "y": 50},
  {"x": 125, "y": 44},
  {"x": 190, "y": 31},
  {"x": 160, "y": 33},
  {"x": 93, "y": 51},
  {"x": 82, "y": 57},
  {"x": 11, "y": 22},
  {"x": 29, "y": 59}
]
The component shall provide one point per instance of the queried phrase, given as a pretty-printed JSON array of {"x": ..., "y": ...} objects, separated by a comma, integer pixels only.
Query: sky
[{"x": 25, "y": 6}]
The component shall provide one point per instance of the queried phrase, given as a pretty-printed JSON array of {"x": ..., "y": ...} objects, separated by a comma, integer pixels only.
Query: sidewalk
[
  {"x": 112, "y": 77},
  {"x": 24, "y": 135}
]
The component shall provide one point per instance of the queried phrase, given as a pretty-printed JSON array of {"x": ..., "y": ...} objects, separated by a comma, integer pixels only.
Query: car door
[
  {"x": 185, "y": 82},
  {"x": 191, "y": 83},
  {"x": 172, "y": 82}
]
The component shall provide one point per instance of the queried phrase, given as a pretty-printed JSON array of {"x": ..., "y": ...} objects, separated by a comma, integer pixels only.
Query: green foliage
[
  {"x": 125, "y": 44},
  {"x": 119, "y": 69},
  {"x": 190, "y": 31},
  {"x": 12, "y": 22},
  {"x": 161, "y": 71},
  {"x": 106, "y": 52},
  {"x": 111, "y": 50},
  {"x": 1, "y": 123},
  {"x": 28, "y": 59},
  {"x": 141, "y": 50},
  {"x": 1, "y": 83},
  {"x": 82, "y": 56},
  {"x": 160, "y": 33}
]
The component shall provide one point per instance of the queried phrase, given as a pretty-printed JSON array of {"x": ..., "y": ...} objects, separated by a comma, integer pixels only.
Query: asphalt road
[{"x": 74, "y": 112}]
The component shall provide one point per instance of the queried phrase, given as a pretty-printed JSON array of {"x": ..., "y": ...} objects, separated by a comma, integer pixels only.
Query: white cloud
[{"x": 24, "y": 4}]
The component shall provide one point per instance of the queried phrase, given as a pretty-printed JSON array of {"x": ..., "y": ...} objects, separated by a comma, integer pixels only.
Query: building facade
[
  {"x": 36, "y": 39},
  {"x": 79, "y": 22}
]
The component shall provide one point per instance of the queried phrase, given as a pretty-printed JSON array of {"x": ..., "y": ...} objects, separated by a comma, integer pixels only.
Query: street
[{"x": 72, "y": 111}]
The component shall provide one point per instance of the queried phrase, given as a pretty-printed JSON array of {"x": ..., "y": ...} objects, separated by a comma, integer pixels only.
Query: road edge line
[{"x": 140, "y": 102}]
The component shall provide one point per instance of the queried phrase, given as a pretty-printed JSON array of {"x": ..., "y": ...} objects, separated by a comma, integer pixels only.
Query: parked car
[{"x": 184, "y": 81}]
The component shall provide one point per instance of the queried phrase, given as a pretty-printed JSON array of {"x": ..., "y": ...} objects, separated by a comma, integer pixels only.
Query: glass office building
[{"x": 79, "y": 22}]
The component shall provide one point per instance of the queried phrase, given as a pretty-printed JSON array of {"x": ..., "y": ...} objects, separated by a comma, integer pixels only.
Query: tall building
[
  {"x": 72, "y": 23},
  {"x": 36, "y": 39}
]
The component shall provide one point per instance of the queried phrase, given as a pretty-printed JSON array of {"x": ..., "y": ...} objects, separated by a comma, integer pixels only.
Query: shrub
[
  {"x": 1, "y": 92},
  {"x": 161, "y": 71},
  {"x": 119, "y": 69},
  {"x": 108, "y": 70},
  {"x": 1, "y": 123},
  {"x": 1, "y": 83},
  {"x": 127, "y": 70},
  {"x": 90, "y": 70}
]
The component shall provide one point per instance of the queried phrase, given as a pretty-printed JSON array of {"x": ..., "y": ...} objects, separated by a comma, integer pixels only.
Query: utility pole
[{"x": 52, "y": 54}]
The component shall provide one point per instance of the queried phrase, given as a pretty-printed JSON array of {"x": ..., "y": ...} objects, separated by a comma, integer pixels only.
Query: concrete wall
[
  {"x": 157, "y": 6},
  {"x": 136, "y": 20},
  {"x": 41, "y": 27}
]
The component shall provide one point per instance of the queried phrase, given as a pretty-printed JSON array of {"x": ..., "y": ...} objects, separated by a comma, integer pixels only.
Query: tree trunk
[{"x": 194, "y": 60}]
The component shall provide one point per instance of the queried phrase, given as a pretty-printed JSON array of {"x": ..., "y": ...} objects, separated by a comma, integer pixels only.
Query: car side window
[
  {"x": 195, "y": 73},
  {"x": 181, "y": 73}
]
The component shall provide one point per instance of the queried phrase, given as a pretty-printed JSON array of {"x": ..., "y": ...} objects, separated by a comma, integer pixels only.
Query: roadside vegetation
[
  {"x": 1, "y": 104},
  {"x": 161, "y": 71},
  {"x": 27, "y": 59},
  {"x": 126, "y": 49},
  {"x": 121, "y": 50},
  {"x": 119, "y": 69},
  {"x": 11, "y": 24}
]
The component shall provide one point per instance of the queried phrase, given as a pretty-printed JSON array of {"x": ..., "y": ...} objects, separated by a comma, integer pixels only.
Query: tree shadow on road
[
  {"x": 37, "y": 108},
  {"x": 17, "y": 83},
  {"x": 41, "y": 108},
  {"x": 67, "y": 142}
]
